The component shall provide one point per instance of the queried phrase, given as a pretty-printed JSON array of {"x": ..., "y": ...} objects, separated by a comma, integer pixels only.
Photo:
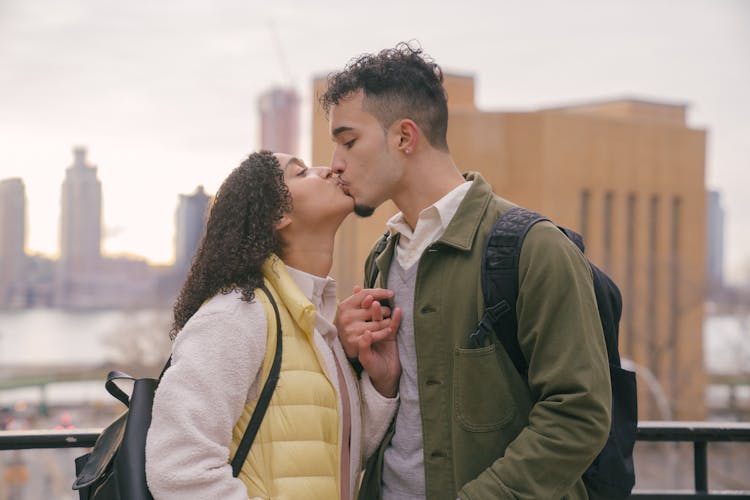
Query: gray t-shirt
[{"x": 403, "y": 467}]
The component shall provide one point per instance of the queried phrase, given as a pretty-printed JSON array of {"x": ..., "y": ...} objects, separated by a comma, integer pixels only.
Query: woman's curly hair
[{"x": 239, "y": 236}]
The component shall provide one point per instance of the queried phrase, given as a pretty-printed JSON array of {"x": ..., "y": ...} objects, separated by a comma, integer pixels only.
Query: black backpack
[{"x": 611, "y": 476}]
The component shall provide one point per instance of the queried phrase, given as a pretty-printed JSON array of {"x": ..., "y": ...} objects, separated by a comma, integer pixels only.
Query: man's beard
[{"x": 363, "y": 210}]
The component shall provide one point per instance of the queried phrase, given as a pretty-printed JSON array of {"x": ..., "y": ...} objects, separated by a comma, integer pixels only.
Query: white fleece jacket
[{"x": 215, "y": 371}]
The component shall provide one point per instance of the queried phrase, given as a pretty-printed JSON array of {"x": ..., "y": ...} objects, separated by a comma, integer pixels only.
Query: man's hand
[
  {"x": 378, "y": 353},
  {"x": 362, "y": 312}
]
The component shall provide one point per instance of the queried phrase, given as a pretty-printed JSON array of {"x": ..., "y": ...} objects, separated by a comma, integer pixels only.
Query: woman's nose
[{"x": 324, "y": 172}]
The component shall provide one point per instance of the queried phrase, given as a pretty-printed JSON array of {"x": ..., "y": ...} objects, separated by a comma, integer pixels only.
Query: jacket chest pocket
[{"x": 483, "y": 398}]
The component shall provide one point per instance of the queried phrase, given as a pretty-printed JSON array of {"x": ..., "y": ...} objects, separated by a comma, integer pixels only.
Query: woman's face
[{"x": 317, "y": 196}]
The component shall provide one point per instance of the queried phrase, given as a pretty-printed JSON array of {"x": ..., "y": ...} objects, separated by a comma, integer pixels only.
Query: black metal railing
[
  {"x": 698, "y": 433},
  {"x": 64, "y": 438}
]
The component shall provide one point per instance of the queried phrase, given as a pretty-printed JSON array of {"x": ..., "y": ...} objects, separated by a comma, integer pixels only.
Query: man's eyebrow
[{"x": 340, "y": 130}]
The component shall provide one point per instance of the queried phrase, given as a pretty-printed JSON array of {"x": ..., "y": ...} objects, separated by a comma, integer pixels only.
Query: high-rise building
[
  {"x": 84, "y": 278},
  {"x": 12, "y": 241},
  {"x": 190, "y": 220},
  {"x": 80, "y": 234},
  {"x": 81, "y": 215},
  {"x": 714, "y": 240},
  {"x": 629, "y": 175},
  {"x": 279, "y": 120}
]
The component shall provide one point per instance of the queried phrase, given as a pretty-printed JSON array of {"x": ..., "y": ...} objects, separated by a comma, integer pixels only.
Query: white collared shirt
[
  {"x": 431, "y": 225},
  {"x": 322, "y": 294}
]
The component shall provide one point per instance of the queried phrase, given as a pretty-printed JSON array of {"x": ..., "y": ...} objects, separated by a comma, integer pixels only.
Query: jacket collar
[
  {"x": 463, "y": 227},
  {"x": 461, "y": 230},
  {"x": 300, "y": 308}
]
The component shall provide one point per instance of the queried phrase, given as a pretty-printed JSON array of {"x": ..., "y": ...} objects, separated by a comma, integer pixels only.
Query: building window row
[{"x": 645, "y": 249}]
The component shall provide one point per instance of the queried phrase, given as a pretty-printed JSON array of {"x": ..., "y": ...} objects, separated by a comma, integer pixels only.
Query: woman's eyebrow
[{"x": 294, "y": 160}]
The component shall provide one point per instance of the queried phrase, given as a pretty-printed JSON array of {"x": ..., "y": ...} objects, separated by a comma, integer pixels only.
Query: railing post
[{"x": 700, "y": 463}]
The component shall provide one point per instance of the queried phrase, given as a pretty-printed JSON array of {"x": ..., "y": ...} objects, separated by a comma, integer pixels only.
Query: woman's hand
[
  {"x": 378, "y": 354},
  {"x": 362, "y": 312}
]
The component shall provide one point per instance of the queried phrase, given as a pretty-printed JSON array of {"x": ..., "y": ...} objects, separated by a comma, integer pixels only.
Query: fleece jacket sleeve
[
  {"x": 378, "y": 413},
  {"x": 216, "y": 361}
]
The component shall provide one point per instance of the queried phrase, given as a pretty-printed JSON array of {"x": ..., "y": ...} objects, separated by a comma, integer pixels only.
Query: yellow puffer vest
[{"x": 296, "y": 452}]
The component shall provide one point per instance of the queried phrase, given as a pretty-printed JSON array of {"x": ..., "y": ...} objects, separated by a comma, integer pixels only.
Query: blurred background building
[
  {"x": 190, "y": 218},
  {"x": 190, "y": 221},
  {"x": 81, "y": 221},
  {"x": 629, "y": 175},
  {"x": 279, "y": 120},
  {"x": 714, "y": 242},
  {"x": 13, "y": 231},
  {"x": 80, "y": 232},
  {"x": 82, "y": 278}
]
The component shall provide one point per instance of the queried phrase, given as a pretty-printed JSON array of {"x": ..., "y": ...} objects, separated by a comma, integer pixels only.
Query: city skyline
[
  {"x": 166, "y": 98},
  {"x": 82, "y": 277},
  {"x": 79, "y": 235}
]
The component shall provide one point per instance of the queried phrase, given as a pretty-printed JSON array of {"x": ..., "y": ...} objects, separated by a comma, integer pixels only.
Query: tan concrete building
[{"x": 627, "y": 174}]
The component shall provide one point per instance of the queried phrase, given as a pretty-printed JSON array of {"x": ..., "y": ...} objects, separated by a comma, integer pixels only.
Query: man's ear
[
  {"x": 408, "y": 134},
  {"x": 284, "y": 222}
]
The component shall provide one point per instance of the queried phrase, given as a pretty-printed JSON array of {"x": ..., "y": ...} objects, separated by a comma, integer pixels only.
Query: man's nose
[{"x": 337, "y": 164}]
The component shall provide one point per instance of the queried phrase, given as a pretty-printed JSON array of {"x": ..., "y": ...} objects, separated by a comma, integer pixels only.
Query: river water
[
  {"x": 56, "y": 337},
  {"x": 52, "y": 336}
]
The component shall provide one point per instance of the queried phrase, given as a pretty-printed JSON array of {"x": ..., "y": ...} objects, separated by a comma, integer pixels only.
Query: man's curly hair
[
  {"x": 239, "y": 236},
  {"x": 402, "y": 82}
]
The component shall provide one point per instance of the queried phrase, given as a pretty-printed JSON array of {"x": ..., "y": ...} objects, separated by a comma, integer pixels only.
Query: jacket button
[{"x": 427, "y": 309}]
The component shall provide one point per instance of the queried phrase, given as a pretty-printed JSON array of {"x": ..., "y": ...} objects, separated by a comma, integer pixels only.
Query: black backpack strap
[
  {"x": 609, "y": 303},
  {"x": 500, "y": 261},
  {"x": 166, "y": 366},
  {"x": 379, "y": 248},
  {"x": 265, "y": 396},
  {"x": 114, "y": 389},
  {"x": 576, "y": 238}
]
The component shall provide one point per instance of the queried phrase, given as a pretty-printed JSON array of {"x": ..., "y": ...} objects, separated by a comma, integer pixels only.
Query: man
[{"x": 468, "y": 425}]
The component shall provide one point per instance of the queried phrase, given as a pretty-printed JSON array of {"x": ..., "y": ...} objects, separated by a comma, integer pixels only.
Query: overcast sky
[{"x": 163, "y": 93}]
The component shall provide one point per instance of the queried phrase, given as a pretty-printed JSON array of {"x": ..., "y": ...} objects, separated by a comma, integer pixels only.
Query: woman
[{"x": 273, "y": 220}]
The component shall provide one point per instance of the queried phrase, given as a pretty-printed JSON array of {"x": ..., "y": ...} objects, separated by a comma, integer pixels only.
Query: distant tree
[{"x": 140, "y": 343}]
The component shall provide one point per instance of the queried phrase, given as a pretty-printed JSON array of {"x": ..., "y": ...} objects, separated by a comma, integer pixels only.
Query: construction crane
[{"x": 280, "y": 54}]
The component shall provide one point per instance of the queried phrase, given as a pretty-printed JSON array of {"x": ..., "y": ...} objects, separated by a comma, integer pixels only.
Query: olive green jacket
[{"x": 487, "y": 432}]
